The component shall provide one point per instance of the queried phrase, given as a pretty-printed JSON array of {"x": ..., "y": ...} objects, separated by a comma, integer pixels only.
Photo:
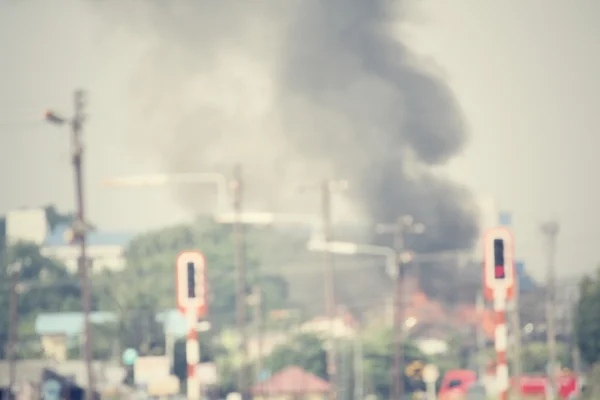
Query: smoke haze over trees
[{"x": 297, "y": 91}]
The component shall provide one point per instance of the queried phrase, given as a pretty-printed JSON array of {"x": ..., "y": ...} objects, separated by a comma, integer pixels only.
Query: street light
[
  {"x": 154, "y": 180},
  {"x": 323, "y": 223},
  {"x": 404, "y": 224},
  {"x": 317, "y": 244},
  {"x": 80, "y": 226},
  {"x": 267, "y": 218}
]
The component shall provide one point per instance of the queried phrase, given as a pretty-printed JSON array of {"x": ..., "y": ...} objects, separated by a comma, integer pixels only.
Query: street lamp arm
[
  {"x": 386, "y": 228},
  {"x": 267, "y": 218},
  {"x": 137, "y": 181},
  {"x": 220, "y": 180},
  {"x": 376, "y": 250},
  {"x": 333, "y": 247},
  {"x": 389, "y": 253},
  {"x": 163, "y": 179}
]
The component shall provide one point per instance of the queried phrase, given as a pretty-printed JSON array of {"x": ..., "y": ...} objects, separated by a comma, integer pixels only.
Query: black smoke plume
[{"x": 298, "y": 91}]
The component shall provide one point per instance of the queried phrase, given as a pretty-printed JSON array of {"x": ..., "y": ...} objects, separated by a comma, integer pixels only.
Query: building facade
[
  {"x": 27, "y": 225},
  {"x": 105, "y": 249}
]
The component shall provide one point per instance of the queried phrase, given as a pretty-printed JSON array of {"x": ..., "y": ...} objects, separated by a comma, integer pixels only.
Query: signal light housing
[
  {"x": 498, "y": 263},
  {"x": 191, "y": 280},
  {"x": 499, "y": 266}
]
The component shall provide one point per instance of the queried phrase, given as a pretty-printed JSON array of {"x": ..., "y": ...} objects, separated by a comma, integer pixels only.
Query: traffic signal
[
  {"x": 499, "y": 270},
  {"x": 191, "y": 280}
]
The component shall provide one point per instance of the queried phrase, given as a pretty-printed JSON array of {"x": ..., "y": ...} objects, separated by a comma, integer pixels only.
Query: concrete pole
[
  {"x": 80, "y": 227},
  {"x": 240, "y": 274},
  {"x": 480, "y": 308},
  {"x": 550, "y": 231},
  {"x": 358, "y": 367},
  {"x": 329, "y": 286},
  {"x": 398, "y": 369},
  {"x": 80, "y": 232},
  {"x": 14, "y": 271}
]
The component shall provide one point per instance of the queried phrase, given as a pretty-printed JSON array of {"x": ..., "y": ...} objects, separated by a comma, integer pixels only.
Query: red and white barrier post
[
  {"x": 192, "y": 355},
  {"x": 190, "y": 276},
  {"x": 498, "y": 281}
]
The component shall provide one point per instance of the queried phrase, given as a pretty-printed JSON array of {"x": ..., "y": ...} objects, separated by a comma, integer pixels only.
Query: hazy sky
[{"x": 525, "y": 74}]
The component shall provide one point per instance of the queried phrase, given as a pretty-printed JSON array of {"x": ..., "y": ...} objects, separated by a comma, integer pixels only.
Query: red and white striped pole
[
  {"x": 501, "y": 342},
  {"x": 190, "y": 277},
  {"x": 499, "y": 287},
  {"x": 192, "y": 353}
]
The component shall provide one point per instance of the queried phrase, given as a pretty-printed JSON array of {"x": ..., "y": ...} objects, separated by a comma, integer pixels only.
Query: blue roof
[
  {"x": 95, "y": 238},
  {"x": 70, "y": 324}
]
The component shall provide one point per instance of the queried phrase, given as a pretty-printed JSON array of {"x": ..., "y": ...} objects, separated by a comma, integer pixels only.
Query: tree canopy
[
  {"x": 587, "y": 319},
  {"x": 44, "y": 286},
  {"x": 304, "y": 350},
  {"x": 308, "y": 351},
  {"x": 146, "y": 286}
]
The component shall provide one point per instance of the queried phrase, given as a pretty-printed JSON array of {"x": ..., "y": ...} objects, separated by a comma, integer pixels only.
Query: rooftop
[
  {"x": 292, "y": 381},
  {"x": 71, "y": 323},
  {"x": 95, "y": 238}
]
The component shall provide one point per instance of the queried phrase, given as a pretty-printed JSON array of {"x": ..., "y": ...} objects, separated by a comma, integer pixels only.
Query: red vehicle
[
  {"x": 456, "y": 383},
  {"x": 538, "y": 385}
]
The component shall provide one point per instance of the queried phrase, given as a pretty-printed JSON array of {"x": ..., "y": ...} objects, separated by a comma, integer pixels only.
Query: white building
[
  {"x": 340, "y": 327},
  {"x": 265, "y": 344},
  {"x": 105, "y": 249},
  {"x": 28, "y": 225}
]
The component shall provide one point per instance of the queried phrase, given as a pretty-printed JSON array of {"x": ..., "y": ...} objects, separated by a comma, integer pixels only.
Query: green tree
[
  {"x": 54, "y": 217},
  {"x": 535, "y": 357},
  {"x": 146, "y": 286},
  {"x": 104, "y": 344},
  {"x": 304, "y": 350},
  {"x": 45, "y": 286},
  {"x": 587, "y": 319},
  {"x": 378, "y": 349}
]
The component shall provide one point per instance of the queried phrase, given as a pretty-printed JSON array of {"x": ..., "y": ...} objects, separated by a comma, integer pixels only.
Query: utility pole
[
  {"x": 257, "y": 302},
  {"x": 402, "y": 226},
  {"x": 329, "y": 286},
  {"x": 398, "y": 369},
  {"x": 550, "y": 231},
  {"x": 358, "y": 366},
  {"x": 237, "y": 186},
  {"x": 80, "y": 227},
  {"x": 14, "y": 270},
  {"x": 575, "y": 354},
  {"x": 480, "y": 308},
  {"x": 80, "y": 233}
]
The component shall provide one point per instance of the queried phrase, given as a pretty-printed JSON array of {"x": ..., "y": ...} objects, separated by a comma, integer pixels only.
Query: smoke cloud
[{"x": 297, "y": 91}]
